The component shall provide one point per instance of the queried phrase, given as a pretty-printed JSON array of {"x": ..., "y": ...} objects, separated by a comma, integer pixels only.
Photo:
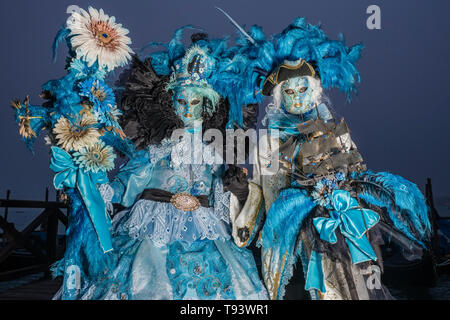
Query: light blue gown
[{"x": 165, "y": 253}]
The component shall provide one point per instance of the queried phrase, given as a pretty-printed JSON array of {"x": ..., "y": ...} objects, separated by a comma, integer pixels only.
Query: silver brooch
[{"x": 185, "y": 202}]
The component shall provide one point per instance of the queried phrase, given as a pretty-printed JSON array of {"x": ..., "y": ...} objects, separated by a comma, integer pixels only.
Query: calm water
[
  {"x": 6, "y": 285},
  {"x": 440, "y": 292}
]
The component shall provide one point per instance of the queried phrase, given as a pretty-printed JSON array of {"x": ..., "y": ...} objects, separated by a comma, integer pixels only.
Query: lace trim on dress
[{"x": 164, "y": 224}]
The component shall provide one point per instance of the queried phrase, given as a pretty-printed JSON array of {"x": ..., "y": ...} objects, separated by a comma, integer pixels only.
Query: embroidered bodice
[{"x": 174, "y": 166}]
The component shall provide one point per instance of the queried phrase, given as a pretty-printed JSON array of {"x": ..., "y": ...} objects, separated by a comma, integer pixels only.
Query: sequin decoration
[{"x": 198, "y": 271}]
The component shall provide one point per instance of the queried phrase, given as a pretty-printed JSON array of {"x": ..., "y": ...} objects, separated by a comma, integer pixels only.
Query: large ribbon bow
[
  {"x": 353, "y": 222},
  {"x": 69, "y": 175}
]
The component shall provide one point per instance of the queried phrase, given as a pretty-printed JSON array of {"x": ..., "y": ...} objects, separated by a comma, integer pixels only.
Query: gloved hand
[{"x": 235, "y": 180}]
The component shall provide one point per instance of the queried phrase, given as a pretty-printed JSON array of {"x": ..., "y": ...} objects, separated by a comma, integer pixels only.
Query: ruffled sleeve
[{"x": 132, "y": 179}]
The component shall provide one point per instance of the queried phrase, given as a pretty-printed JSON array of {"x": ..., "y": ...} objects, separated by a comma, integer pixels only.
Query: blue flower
[
  {"x": 340, "y": 176},
  {"x": 321, "y": 194},
  {"x": 109, "y": 119},
  {"x": 101, "y": 96},
  {"x": 331, "y": 183}
]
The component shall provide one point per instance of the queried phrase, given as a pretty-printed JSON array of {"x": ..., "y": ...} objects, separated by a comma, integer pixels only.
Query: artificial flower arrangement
[{"x": 81, "y": 117}]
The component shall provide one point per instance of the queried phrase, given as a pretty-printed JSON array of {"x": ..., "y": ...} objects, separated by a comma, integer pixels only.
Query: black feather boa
[{"x": 148, "y": 116}]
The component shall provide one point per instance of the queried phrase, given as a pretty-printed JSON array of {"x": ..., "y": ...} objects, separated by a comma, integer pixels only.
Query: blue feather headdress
[{"x": 331, "y": 60}]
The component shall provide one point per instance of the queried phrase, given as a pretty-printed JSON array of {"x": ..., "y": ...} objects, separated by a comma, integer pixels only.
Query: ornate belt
[{"x": 181, "y": 201}]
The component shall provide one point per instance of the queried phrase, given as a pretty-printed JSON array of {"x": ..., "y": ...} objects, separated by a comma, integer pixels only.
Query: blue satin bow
[
  {"x": 69, "y": 175},
  {"x": 353, "y": 222}
]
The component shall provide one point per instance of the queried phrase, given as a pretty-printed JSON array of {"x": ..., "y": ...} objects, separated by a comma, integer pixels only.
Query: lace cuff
[
  {"x": 107, "y": 193},
  {"x": 221, "y": 202}
]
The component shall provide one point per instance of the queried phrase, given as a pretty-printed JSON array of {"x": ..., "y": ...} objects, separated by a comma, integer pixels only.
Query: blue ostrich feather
[
  {"x": 163, "y": 61},
  {"x": 176, "y": 47},
  {"x": 66, "y": 98},
  {"x": 62, "y": 34},
  {"x": 405, "y": 203},
  {"x": 285, "y": 217},
  {"x": 160, "y": 63},
  {"x": 334, "y": 60},
  {"x": 152, "y": 44},
  {"x": 281, "y": 229}
]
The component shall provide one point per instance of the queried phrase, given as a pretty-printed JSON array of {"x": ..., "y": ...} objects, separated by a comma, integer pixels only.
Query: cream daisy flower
[
  {"x": 73, "y": 137},
  {"x": 95, "y": 158},
  {"x": 97, "y": 37}
]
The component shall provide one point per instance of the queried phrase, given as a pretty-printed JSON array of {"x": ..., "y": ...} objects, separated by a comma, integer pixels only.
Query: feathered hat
[
  {"x": 194, "y": 70},
  {"x": 301, "y": 49}
]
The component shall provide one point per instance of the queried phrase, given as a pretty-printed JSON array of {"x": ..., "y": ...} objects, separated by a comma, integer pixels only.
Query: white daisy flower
[{"x": 97, "y": 37}]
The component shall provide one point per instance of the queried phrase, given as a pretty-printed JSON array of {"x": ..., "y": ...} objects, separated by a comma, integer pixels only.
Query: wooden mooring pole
[
  {"x": 44, "y": 254},
  {"x": 434, "y": 216},
  {"x": 52, "y": 234},
  {"x": 8, "y": 195},
  {"x": 4, "y": 237}
]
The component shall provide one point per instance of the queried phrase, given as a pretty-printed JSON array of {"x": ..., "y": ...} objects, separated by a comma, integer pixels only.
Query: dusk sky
[{"x": 399, "y": 120}]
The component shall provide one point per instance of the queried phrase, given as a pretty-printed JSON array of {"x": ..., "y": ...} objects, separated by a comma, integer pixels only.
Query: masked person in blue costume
[
  {"x": 322, "y": 205},
  {"x": 174, "y": 240},
  {"x": 80, "y": 119}
]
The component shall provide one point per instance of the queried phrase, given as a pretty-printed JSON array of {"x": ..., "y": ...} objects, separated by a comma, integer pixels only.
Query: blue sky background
[{"x": 399, "y": 119}]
